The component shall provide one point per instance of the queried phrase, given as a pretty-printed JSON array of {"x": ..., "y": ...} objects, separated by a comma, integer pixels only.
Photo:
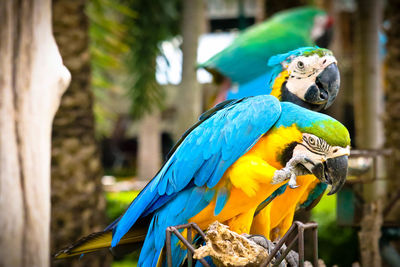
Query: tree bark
[
  {"x": 368, "y": 105},
  {"x": 367, "y": 70},
  {"x": 32, "y": 80},
  {"x": 392, "y": 118},
  {"x": 260, "y": 11},
  {"x": 392, "y": 122},
  {"x": 370, "y": 233},
  {"x": 78, "y": 204},
  {"x": 189, "y": 106},
  {"x": 149, "y": 150}
]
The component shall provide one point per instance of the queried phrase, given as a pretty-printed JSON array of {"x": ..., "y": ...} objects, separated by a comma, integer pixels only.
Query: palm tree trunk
[{"x": 78, "y": 204}]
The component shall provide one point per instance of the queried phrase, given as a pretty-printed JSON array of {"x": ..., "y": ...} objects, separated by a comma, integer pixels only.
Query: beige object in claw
[{"x": 228, "y": 248}]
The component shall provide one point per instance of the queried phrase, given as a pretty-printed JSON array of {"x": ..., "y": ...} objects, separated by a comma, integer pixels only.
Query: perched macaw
[
  {"x": 242, "y": 65},
  {"x": 306, "y": 76},
  {"x": 235, "y": 157},
  {"x": 310, "y": 78}
]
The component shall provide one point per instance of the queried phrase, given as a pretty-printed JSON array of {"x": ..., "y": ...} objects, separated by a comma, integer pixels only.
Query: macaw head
[
  {"x": 323, "y": 143},
  {"x": 307, "y": 76}
]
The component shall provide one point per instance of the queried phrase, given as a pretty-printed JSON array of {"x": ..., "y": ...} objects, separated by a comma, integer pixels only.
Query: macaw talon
[
  {"x": 294, "y": 186},
  {"x": 292, "y": 182},
  {"x": 290, "y": 171}
]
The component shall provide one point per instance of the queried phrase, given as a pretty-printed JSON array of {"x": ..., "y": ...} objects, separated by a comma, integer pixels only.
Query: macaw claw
[
  {"x": 290, "y": 171},
  {"x": 292, "y": 183}
]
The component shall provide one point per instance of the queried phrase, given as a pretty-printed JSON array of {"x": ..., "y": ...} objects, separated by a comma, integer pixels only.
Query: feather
[
  {"x": 175, "y": 176},
  {"x": 222, "y": 198},
  {"x": 284, "y": 32}
]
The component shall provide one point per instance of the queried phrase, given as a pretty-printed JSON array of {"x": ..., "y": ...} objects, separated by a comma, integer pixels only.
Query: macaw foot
[
  {"x": 292, "y": 169},
  {"x": 291, "y": 259},
  {"x": 262, "y": 241}
]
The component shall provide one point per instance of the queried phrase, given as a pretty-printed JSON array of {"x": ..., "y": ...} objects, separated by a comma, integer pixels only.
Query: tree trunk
[
  {"x": 370, "y": 233},
  {"x": 189, "y": 107},
  {"x": 78, "y": 204},
  {"x": 392, "y": 119},
  {"x": 392, "y": 123},
  {"x": 260, "y": 11},
  {"x": 368, "y": 104},
  {"x": 32, "y": 80},
  {"x": 367, "y": 70},
  {"x": 149, "y": 150}
]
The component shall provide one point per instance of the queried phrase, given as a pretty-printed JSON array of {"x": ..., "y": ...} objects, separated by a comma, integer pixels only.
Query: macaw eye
[
  {"x": 311, "y": 140},
  {"x": 300, "y": 64}
]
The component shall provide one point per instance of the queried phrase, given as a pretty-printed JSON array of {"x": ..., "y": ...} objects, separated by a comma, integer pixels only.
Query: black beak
[
  {"x": 333, "y": 171},
  {"x": 323, "y": 93}
]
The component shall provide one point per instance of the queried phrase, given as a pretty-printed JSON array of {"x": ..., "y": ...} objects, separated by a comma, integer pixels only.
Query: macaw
[
  {"x": 241, "y": 67},
  {"x": 310, "y": 78},
  {"x": 307, "y": 76},
  {"x": 236, "y": 156}
]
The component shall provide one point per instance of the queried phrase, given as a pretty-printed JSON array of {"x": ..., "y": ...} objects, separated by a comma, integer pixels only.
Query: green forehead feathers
[
  {"x": 333, "y": 132},
  {"x": 319, "y": 51}
]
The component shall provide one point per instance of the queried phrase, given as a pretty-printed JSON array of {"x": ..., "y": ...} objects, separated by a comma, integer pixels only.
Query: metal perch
[{"x": 297, "y": 227}]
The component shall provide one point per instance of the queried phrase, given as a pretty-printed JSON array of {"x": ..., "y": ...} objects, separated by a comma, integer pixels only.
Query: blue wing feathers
[
  {"x": 134, "y": 211},
  {"x": 222, "y": 198},
  {"x": 201, "y": 159}
]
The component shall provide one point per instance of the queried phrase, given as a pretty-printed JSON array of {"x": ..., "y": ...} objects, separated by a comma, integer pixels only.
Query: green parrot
[{"x": 243, "y": 63}]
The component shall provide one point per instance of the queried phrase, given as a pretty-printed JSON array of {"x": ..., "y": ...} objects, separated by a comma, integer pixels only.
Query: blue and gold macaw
[
  {"x": 232, "y": 160},
  {"x": 241, "y": 67},
  {"x": 307, "y": 76},
  {"x": 310, "y": 78}
]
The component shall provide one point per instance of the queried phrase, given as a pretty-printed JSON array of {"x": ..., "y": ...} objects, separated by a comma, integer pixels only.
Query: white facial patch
[
  {"x": 318, "y": 150},
  {"x": 303, "y": 72}
]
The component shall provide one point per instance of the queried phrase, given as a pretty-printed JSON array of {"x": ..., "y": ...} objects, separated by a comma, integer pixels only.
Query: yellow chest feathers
[{"x": 271, "y": 146}]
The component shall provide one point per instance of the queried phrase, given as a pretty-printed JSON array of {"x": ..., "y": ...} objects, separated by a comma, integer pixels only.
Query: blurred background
[{"x": 136, "y": 87}]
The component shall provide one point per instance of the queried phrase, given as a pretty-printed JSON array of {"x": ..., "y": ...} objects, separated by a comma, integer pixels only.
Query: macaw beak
[
  {"x": 333, "y": 171},
  {"x": 329, "y": 81},
  {"x": 323, "y": 93}
]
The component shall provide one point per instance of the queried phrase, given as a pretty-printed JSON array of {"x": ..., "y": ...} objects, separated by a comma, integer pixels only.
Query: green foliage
[
  {"x": 129, "y": 260},
  {"x": 124, "y": 42},
  {"x": 117, "y": 202},
  {"x": 337, "y": 245},
  {"x": 157, "y": 21},
  {"x": 107, "y": 36},
  {"x": 108, "y": 47}
]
